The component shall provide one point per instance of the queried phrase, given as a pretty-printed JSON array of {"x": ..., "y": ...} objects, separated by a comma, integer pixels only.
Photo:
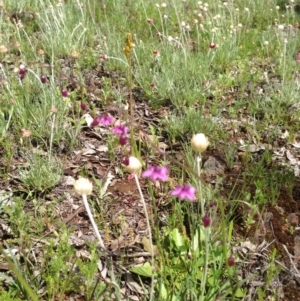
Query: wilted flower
[
  {"x": 3, "y": 49},
  {"x": 104, "y": 57},
  {"x": 74, "y": 54},
  {"x": 25, "y": 133},
  {"x": 53, "y": 109},
  {"x": 132, "y": 165},
  {"x": 199, "y": 143},
  {"x": 150, "y": 21},
  {"x": 185, "y": 192},
  {"x": 40, "y": 51},
  {"x": 156, "y": 173},
  {"x": 83, "y": 186}
]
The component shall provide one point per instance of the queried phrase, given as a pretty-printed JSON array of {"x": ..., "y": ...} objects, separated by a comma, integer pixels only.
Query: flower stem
[
  {"x": 87, "y": 207},
  {"x": 150, "y": 234},
  {"x": 202, "y": 201}
]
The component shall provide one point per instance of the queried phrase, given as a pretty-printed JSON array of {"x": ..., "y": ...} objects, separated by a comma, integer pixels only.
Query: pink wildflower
[
  {"x": 156, "y": 173},
  {"x": 106, "y": 120},
  {"x": 120, "y": 130},
  {"x": 184, "y": 192}
]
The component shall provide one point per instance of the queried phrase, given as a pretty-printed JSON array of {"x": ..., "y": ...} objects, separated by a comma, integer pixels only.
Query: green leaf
[
  {"x": 144, "y": 270},
  {"x": 239, "y": 293},
  {"x": 177, "y": 238}
]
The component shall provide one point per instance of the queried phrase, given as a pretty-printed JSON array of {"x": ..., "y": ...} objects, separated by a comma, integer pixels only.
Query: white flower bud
[
  {"x": 133, "y": 165},
  {"x": 199, "y": 143},
  {"x": 83, "y": 186}
]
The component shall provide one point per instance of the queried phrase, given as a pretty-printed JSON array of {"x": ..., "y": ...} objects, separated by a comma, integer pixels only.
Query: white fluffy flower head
[
  {"x": 199, "y": 143},
  {"x": 83, "y": 186}
]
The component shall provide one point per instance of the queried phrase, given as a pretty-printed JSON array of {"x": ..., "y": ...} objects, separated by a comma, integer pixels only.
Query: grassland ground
[{"x": 229, "y": 70}]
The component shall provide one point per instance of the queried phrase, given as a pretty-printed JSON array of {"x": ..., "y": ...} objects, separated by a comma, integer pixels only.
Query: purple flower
[
  {"x": 43, "y": 79},
  {"x": 22, "y": 70},
  {"x": 184, "y": 192},
  {"x": 96, "y": 121},
  {"x": 123, "y": 139},
  {"x": 156, "y": 173},
  {"x": 83, "y": 106},
  {"x": 206, "y": 221},
  {"x": 64, "y": 93},
  {"x": 120, "y": 130},
  {"x": 106, "y": 120}
]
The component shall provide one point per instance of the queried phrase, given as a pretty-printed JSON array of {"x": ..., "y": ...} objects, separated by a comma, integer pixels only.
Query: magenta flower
[
  {"x": 120, "y": 130},
  {"x": 206, "y": 221},
  {"x": 96, "y": 121},
  {"x": 64, "y": 93},
  {"x": 123, "y": 139},
  {"x": 106, "y": 120},
  {"x": 185, "y": 192},
  {"x": 43, "y": 79},
  {"x": 154, "y": 173}
]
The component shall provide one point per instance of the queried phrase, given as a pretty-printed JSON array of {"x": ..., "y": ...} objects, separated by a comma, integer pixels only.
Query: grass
[{"x": 225, "y": 69}]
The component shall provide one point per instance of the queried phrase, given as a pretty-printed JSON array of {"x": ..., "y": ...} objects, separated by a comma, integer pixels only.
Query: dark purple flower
[
  {"x": 156, "y": 173},
  {"x": 212, "y": 45},
  {"x": 231, "y": 261},
  {"x": 126, "y": 161},
  {"x": 96, "y": 121},
  {"x": 22, "y": 70},
  {"x": 83, "y": 106},
  {"x": 206, "y": 221},
  {"x": 120, "y": 130},
  {"x": 64, "y": 93},
  {"x": 123, "y": 139},
  {"x": 22, "y": 76},
  {"x": 106, "y": 120},
  {"x": 185, "y": 192},
  {"x": 212, "y": 204},
  {"x": 43, "y": 79}
]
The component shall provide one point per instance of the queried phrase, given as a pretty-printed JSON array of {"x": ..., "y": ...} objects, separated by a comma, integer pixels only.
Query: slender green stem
[
  {"x": 51, "y": 136},
  {"x": 150, "y": 234},
  {"x": 202, "y": 201}
]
